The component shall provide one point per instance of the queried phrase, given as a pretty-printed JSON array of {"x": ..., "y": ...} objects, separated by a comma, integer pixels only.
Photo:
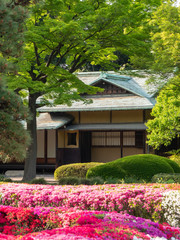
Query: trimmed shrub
[
  {"x": 69, "y": 181},
  {"x": 74, "y": 170},
  {"x": 79, "y": 181},
  {"x": 96, "y": 181},
  {"x": 38, "y": 181},
  {"x": 173, "y": 164},
  {"x": 142, "y": 166},
  {"x": 166, "y": 178},
  {"x": 107, "y": 171},
  {"x": 175, "y": 158}
]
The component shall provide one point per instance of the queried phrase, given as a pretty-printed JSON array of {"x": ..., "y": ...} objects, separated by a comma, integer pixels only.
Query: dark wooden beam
[
  {"x": 121, "y": 142},
  {"x": 45, "y": 146}
]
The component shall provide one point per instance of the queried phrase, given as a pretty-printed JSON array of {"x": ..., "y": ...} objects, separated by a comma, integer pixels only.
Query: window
[
  {"x": 105, "y": 138},
  {"x": 71, "y": 139},
  {"x": 129, "y": 138},
  {"x": 140, "y": 139}
]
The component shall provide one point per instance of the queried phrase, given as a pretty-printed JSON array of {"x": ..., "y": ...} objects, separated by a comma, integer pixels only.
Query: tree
[
  {"x": 13, "y": 137},
  {"x": 166, "y": 123},
  {"x": 61, "y": 37},
  {"x": 166, "y": 53}
]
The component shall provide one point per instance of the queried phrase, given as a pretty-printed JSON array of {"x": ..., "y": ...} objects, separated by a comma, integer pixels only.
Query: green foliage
[
  {"x": 165, "y": 38},
  {"x": 175, "y": 158},
  {"x": 173, "y": 164},
  {"x": 165, "y": 51},
  {"x": 11, "y": 32},
  {"x": 166, "y": 178},
  {"x": 38, "y": 181},
  {"x": 79, "y": 181},
  {"x": 3, "y": 178},
  {"x": 166, "y": 123},
  {"x": 74, "y": 170},
  {"x": 13, "y": 137},
  {"x": 106, "y": 171},
  {"x": 69, "y": 181},
  {"x": 142, "y": 166}
]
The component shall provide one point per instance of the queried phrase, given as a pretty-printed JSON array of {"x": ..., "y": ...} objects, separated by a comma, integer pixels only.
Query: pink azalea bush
[
  {"x": 73, "y": 223},
  {"x": 109, "y": 212},
  {"x": 138, "y": 200}
]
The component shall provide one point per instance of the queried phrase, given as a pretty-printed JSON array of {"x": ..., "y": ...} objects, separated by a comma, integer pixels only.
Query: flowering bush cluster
[
  {"x": 72, "y": 222},
  {"x": 171, "y": 206},
  {"x": 138, "y": 200},
  {"x": 85, "y": 212}
]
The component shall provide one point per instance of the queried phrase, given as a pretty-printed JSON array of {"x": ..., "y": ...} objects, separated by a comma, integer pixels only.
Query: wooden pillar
[
  {"x": 111, "y": 116},
  {"x": 56, "y": 148},
  {"x": 121, "y": 142},
  {"x": 144, "y": 115},
  {"x": 144, "y": 142},
  {"x": 45, "y": 147}
]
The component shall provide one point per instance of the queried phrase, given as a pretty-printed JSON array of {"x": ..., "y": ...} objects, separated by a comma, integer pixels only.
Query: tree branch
[{"x": 36, "y": 54}]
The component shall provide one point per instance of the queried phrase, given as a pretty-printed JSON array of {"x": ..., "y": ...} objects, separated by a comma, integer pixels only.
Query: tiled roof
[
  {"x": 52, "y": 120},
  {"x": 121, "y": 102},
  {"x": 124, "y": 82},
  {"x": 139, "y": 99}
]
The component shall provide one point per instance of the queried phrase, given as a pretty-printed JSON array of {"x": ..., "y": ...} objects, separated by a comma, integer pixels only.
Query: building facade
[{"x": 111, "y": 127}]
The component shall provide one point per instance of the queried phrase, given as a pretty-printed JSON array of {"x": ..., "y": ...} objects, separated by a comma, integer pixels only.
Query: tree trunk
[{"x": 30, "y": 161}]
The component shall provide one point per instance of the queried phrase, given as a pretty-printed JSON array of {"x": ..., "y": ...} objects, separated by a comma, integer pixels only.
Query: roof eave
[{"x": 95, "y": 109}]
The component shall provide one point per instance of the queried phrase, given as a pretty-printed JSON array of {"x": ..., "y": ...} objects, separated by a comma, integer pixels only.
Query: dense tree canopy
[
  {"x": 13, "y": 137},
  {"x": 166, "y": 54}
]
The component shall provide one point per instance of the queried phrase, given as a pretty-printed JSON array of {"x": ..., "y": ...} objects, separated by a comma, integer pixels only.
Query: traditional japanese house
[{"x": 111, "y": 127}]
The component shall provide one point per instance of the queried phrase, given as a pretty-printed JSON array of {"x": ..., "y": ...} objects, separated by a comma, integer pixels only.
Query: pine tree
[{"x": 13, "y": 136}]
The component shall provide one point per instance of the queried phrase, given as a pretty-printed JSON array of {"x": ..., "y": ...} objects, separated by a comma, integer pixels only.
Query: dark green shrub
[
  {"x": 173, "y": 164},
  {"x": 79, "y": 181},
  {"x": 112, "y": 181},
  {"x": 85, "y": 181},
  {"x": 132, "y": 179},
  {"x": 2, "y": 177},
  {"x": 106, "y": 171},
  {"x": 38, "y": 181},
  {"x": 69, "y": 181},
  {"x": 142, "y": 166},
  {"x": 96, "y": 181},
  {"x": 74, "y": 170},
  {"x": 166, "y": 178},
  {"x": 175, "y": 158}
]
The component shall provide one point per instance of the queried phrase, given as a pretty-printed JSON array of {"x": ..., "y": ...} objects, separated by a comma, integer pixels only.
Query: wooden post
[{"x": 45, "y": 147}]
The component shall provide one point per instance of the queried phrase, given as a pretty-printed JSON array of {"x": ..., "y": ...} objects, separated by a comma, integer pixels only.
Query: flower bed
[
  {"x": 72, "y": 222},
  {"x": 138, "y": 200},
  {"x": 84, "y": 212}
]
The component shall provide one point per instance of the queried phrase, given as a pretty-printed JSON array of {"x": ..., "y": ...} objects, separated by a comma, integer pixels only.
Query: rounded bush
[
  {"x": 38, "y": 181},
  {"x": 74, "y": 170},
  {"x": 106, "y": 171},
  {"x": 142, "y": 166},
  {"x": 175, "y": 158},
  {"x": 173, "y": 164},
  {"x": 69, "y": 181},
  {"x": 166, "y": 178}
]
